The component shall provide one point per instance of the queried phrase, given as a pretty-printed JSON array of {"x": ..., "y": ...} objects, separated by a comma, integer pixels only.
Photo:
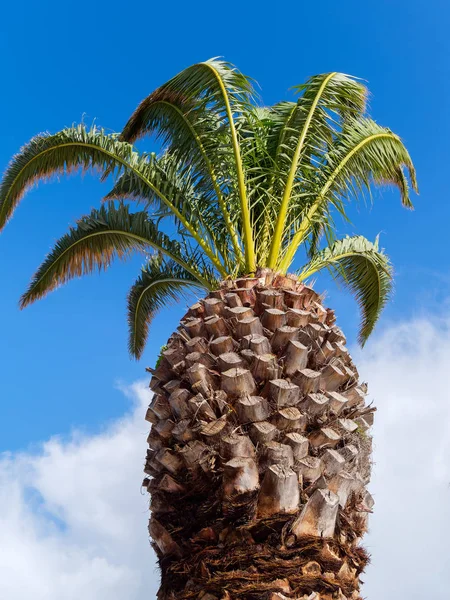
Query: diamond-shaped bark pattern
[{"x": 259, "y": 451}]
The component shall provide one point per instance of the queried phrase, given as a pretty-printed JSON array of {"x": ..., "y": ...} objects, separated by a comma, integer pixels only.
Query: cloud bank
[
  {"x": 73, "y": 521},
  {"x": 408, "y": 369}
]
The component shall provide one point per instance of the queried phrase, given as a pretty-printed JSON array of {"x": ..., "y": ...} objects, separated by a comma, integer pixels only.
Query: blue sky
[
  {"x": 72, "y": 433},
  {"x": 72, "y": 61}
]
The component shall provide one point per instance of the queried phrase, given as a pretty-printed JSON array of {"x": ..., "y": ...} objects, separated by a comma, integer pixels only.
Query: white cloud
[
  {"x": 73, "y": 521},
  {"x": 408, "y": 369}
]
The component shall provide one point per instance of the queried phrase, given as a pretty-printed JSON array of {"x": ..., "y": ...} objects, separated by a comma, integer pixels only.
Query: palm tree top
[{"x": 242, "y": 186}]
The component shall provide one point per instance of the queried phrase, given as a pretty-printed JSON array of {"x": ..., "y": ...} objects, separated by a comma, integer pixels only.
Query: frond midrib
[
  {"x": 249, "y": 249},
  {"x": 281, "y": 219},
  {"x": 229, "y": 225}
]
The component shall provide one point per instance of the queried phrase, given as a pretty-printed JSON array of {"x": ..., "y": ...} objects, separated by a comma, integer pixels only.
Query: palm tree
[{"x": 259, "y": 448}]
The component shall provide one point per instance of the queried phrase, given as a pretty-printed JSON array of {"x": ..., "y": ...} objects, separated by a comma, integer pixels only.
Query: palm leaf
[
  {"x": 327, "y": 100},
  {"x": 159, "y": 283},
  {"x": 221, "y": 89},
  {"x": 255, "y": 129},
  {"x": 363, "y": 269},
  {"x": 364, "y": 153},
  {"x": 99, "y": 238},
  {"x": 191, "y": 133},
  {"x": 212, "y": 83},
  {"x": 78, "y": 148}
]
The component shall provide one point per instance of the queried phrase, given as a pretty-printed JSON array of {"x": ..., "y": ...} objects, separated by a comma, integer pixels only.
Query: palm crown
[{"x": 237, "y": 185}]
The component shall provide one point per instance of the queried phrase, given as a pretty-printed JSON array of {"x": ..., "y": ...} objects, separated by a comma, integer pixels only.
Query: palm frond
[
  {"x": 208, "y": 83},
  {"x": 255, "y": 129},
  {"x": 160, "y": 282},
  {"x": 69, "y": 150},
  {"x": 363, "y": 269},
  {"x": 363, "y": 154},
  {"x": 326, "y": 102},
  {"x": 193, "y": 134},
  {"x": 366, "y": 153},
  {"x": 218, "y": 88},
  {"x": 97, "y": 239},
  {"x": 168, "y": 177},
  {"x": 78, "y": 148}
]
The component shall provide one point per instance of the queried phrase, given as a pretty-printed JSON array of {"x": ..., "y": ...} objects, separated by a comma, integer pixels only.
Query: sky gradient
[
  {"x": 64, "y": 360},
  {"x": 66, "y": 62}
]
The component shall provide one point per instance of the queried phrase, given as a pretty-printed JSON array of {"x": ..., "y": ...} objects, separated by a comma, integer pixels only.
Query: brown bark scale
[{"x": 259, "y": 452}]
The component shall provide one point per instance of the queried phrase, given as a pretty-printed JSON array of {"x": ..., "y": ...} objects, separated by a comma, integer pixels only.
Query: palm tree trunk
[{"x": 259, "y": 453}]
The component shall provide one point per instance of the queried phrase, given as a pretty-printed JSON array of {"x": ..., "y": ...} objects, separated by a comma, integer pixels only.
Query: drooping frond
[
  {"x": 366, "y": 153},
  {"x": 46, "y": 156},
  {"x": 363, "y": 154},
  {"x": 363, "y": 269},
  {"x": 160, "y": 282},
  {"x": 99, "y": 238},
  {"x": 78, "y": 148},
  {"x": 213, "y": 83},
  {"x": 220, "y": 90}
]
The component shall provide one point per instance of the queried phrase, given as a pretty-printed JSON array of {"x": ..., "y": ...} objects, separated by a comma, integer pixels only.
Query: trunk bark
[{"x": 259, "y": 452}]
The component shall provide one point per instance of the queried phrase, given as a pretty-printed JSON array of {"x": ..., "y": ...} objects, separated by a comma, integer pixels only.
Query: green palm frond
[
  {"x": 192, "y": 134},
  {"x": 69, "y": 150},
  {"x": 327, "y": 100},
  {"x": 363, "y": 269},
  {"x": 167, "y": 177},
  {"x": 212, "y": 83},
  {"x": 255, "y": 129},
  {"x": 364, "y": 153},
  {"x": 78, "y": 148},
  {"x": 97, "y": 239},
  {"x": 216, "y": 88},
  {"x": 160, "y": 282}
]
